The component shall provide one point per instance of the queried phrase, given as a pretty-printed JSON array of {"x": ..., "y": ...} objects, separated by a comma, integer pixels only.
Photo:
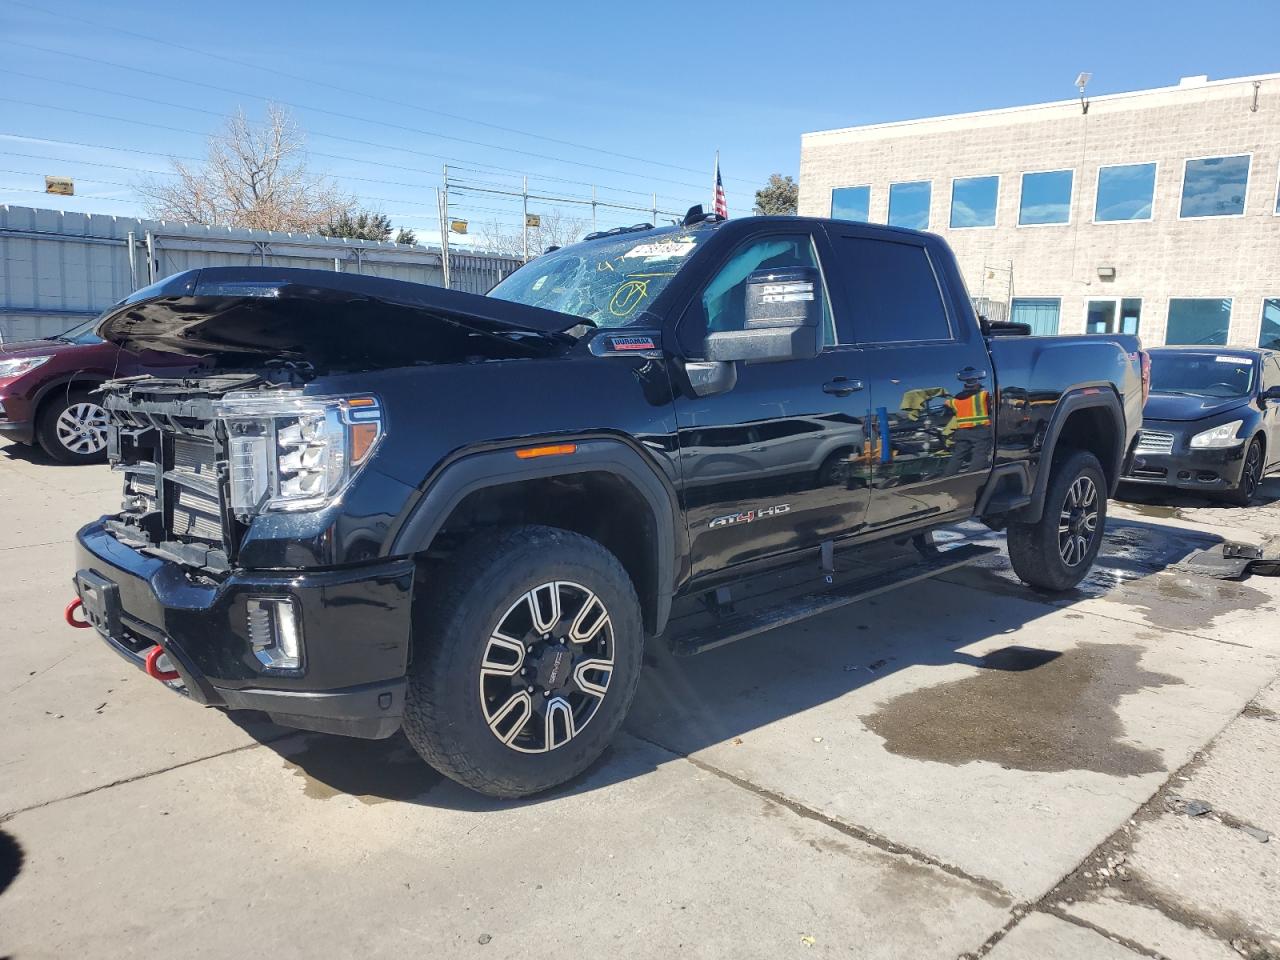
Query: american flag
[{"x": 722, "y": 205}]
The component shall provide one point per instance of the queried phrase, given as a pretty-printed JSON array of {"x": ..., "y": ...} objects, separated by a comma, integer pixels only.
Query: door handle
[
  {"x": 970, "y": 374},
  {"x": 842, "y": 387}
]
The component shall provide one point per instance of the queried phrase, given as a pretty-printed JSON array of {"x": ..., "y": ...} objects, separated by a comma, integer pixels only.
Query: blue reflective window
[
  {"x": 1215, "y": 187},
  {"x": 851, "y": 203},
  {"x": 1198, "y": 320},
  {"x": 1125, "y": 192},
  {"x": 973, "y": 201},
  {"x": 1270, "y": 337},
  {"x": 1046, "y": 197},
  {"x": 1041, "y": 312},
  {"x": 909, "y": 204}
]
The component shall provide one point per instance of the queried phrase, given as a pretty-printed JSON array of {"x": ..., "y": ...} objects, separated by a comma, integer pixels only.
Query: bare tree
[
  {"x": 255, "y": 175},
  {"x": 554, "y": 230}
]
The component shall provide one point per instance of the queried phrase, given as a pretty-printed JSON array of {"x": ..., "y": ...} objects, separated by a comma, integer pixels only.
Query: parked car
[
  {"x": 1212, "y": 422},
  {"x": 46, "y": 389},
  {"x": 398, "y": 506}
]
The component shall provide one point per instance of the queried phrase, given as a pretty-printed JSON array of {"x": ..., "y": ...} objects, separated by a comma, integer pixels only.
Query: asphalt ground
[{"x": 960, "y": 768}]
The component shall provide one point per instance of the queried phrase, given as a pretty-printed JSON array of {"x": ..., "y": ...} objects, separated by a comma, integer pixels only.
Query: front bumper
[
  {"x": 1186, "y": 468},
  {"x": 355, "y": 624},
  {"x": 21, "y": 431}
]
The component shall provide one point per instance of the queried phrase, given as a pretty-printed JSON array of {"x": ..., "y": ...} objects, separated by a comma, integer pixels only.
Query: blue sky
[{"x": 655, "y": 87}]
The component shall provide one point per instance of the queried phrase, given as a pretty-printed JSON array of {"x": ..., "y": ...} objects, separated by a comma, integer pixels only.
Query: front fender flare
[{"x": 470, "y": 472}]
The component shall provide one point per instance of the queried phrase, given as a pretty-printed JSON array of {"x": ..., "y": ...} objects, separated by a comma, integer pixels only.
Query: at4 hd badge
[{"x": 750, "y": 516}]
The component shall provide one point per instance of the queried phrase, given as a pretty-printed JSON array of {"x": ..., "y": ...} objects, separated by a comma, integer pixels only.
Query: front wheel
[
  {"x": 525, "y": 662},
  {"x": 1250, "y": 477},
  {"x": 72, "y": 428},
  {"x": 1056, "y": 551}
]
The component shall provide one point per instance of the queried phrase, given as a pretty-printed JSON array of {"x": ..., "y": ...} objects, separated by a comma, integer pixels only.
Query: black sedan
[{"x": 1212, "y": 422}]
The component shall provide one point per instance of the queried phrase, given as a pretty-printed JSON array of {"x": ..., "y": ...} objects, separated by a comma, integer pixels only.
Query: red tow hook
[
  {"x": 153, "y": 665},
  {"x": 69, "y": 614}
]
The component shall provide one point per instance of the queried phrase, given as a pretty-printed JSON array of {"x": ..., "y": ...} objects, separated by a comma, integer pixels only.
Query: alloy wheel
[
  {"x": 82, "y": 428},
  {"x": 1078, "y": 521},
  {"x": 546, "y": 667},
  {"x": 1252, "y": 471}
]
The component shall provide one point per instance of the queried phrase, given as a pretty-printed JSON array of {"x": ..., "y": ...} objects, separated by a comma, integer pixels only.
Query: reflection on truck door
[
  {"x": 931, "y": 381},
  {"x": 771, "y": 464}
]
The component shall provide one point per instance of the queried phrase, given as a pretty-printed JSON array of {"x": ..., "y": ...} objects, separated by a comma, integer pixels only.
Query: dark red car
[{"x": 45, "y": 389}]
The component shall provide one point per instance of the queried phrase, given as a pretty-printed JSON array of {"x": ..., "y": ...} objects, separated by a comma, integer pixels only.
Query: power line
[
  {"x": 197, "y": 133},
  {"x": 97, "y": 88},
  {"x": 360, "y": 93},
  {"x": 330, "y": 136}
]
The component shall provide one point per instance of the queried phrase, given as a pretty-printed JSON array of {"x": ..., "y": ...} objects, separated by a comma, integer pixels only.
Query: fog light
[{"x": 275, "y": 633}]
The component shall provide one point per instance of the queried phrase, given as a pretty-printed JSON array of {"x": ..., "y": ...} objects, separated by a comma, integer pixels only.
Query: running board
[{"x": 812, "y": 603}]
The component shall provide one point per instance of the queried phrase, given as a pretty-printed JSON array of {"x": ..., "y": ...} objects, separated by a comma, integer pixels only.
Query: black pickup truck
[{"x": 390, "y": 505}]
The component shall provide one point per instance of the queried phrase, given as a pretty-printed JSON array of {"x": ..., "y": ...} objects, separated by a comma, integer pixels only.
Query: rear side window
[{"x": 892, "y": 291}]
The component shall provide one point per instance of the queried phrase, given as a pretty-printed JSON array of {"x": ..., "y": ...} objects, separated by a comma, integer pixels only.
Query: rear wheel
[
  {"x": 72, "y": 428},
  {"x": 526, "y": 662},
  {"x": 1250, "y": 477},
  {"x": 1056, "y": 551}
]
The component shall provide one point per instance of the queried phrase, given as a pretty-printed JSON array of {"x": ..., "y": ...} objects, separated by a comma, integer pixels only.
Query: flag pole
[{"x": 715, "y": 176}]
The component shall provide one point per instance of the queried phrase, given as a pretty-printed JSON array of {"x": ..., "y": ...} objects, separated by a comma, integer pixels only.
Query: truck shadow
[{"x": 736, "y": 693}]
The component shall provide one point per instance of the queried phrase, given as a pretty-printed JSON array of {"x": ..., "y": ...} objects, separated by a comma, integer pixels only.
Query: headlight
[
  {"x": 290, "y": 452},
  {"x": 1223, "y": 435},
  {"x": 20, "y": 365}
]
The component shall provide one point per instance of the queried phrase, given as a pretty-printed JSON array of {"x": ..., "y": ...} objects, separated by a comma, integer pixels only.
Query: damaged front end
[
  {"x": 248, "y": 566},
  {"x": 203, "y": 458}
]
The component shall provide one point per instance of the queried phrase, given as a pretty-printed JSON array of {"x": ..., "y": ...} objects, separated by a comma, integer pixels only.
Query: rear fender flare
[
  {"x": 1081, "y": 398},
  {"x": 470, "y": 472}
]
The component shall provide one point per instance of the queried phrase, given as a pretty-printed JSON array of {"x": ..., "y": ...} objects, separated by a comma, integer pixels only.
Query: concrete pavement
[{"x": 961, "y": 768}]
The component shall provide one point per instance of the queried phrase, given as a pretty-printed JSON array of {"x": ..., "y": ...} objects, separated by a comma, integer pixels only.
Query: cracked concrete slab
[
  {"x": 883, "y": 781},
  {"x": 1039, "y": 936},
  {"x": 647, "y": 856},
  {"x": 790, "y": 712}
]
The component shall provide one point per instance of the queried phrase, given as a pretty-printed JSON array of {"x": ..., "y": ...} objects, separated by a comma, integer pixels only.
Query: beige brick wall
[{"x": 1237, "y": 257}]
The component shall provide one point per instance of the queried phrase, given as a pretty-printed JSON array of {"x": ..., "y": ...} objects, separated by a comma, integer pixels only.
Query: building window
[
  {"x": 973, "y": 201},
  {"x": 851, "y": 203},
  {"x": 1270, "y": 337},
  {"x": 909, "y": 204},
  {"x": 1214, "y": 187},
  {"x": 1198, "y": 320},
  {"x": 1046, "y": 198},
  {"x": 1040, "y": 312},
  {"x": 1125, "y": 192},
  {"x": 1113, "y": 315}
]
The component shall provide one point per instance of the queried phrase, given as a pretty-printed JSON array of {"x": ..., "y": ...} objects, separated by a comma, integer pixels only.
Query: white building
[{"x": 1156, "y": 211}]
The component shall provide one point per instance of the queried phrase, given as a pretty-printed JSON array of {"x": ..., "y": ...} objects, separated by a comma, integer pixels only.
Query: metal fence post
[
  {"x": 151, "y": 258},
  {"x": 133, "y": 263}
]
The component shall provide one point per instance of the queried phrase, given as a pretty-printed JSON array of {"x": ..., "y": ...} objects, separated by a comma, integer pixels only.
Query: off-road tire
[
  {"x": 1035, "y": 549},
  {"x": 1243, "y": 495},
  {"x": 443, "y": 716},
  {"x": 60, "y": 401}
]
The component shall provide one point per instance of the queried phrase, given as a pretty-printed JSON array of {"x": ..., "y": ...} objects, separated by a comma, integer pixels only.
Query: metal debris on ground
[{"x": 1260, "y": 835}]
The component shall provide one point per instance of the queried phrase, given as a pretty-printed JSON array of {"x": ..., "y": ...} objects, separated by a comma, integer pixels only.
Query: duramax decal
[{"x": 749, "y": 516}]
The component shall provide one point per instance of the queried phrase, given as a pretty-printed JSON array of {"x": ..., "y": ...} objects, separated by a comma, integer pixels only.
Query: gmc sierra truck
[{"x": 389, "y": 506}]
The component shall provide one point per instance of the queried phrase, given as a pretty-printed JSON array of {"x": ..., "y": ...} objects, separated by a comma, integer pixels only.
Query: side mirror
[
  {"x": 1271, "y": 393},
  {"x": 783, "y": 309}
]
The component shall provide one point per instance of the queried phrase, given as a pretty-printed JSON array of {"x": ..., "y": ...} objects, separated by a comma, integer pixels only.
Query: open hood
[{"x": 246, "y": 315}]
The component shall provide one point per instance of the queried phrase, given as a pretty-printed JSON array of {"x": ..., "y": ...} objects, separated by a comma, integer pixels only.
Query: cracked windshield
[{"x": 609, "y": 284}]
